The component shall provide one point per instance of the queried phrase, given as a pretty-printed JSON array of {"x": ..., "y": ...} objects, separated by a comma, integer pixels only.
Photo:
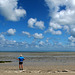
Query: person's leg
[
  {"x": 22, "y": 66},
  {"x": 19, "y": 66}
]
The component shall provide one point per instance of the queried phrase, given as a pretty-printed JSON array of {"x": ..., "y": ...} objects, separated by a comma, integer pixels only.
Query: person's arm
[
  {"x": 17, "y": 59},
  {"x": 23, "y": 59}
]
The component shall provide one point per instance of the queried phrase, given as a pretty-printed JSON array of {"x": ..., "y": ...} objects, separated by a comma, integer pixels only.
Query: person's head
[{"x": 20, "y": 55}]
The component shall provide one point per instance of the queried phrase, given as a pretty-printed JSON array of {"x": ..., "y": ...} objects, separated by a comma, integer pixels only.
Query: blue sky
[{"x": 37, "y": 25}]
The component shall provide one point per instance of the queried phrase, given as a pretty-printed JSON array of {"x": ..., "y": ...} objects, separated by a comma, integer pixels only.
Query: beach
[
  {"x": 38, "y": 70},
  {"x": 39, "y": 64}
]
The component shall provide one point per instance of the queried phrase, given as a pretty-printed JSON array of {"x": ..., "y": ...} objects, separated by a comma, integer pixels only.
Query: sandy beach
[
  {"x": 38, "y": 70},
  {"x": 53, "y": 63}
]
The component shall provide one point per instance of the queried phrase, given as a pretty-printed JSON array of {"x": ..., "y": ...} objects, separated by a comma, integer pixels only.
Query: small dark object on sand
[{"x": 5, "y": 61}]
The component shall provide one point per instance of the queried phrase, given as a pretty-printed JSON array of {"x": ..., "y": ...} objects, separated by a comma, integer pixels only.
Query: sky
[{"x": 37, "y": 25}]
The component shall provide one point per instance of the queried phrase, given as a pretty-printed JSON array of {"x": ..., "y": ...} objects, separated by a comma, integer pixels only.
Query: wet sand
[
  {"x": 38, "y": 70},
  {"x": 56, "y": 63}
]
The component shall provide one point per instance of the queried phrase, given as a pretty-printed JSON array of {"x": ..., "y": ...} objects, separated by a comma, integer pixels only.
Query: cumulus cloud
[
  {"x": 10, "y": 10},
  {"x": 55, "y": 25},
  {"x": 71, "y": 39},
  {"x": 40, "y": 24},
  {"x": 66, "y": 28},
  {"x": 38, "y": 36},
  {"x": 11, "y": 31},
  {"x": 6, "y": 43},
  {"x": 65, "y": 16},
  {"x": 2, "y": 37},
  {"x": 72, "y": 44},
  {"x": 47, "y": 40},
  {"x": 13, "y": 45},
  {"x": 26, "y": 33},
  {"x": 33, "y": 23},
  {"x": 41, "y": 43},
  {"x": 51, "y": 30},
  {"x": 73, "y": 32}
]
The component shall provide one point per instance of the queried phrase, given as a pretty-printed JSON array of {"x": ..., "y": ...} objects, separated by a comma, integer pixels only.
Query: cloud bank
[{"x": 62, "y": 12}]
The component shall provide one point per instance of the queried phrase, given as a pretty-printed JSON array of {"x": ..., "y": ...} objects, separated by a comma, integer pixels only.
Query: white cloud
[
  {"x": 71, "y": 39},
  {"x": 72, "y": 44},
  {"x": 2, "y": 37},
  {"x": 38, "y": 36},
  {"x": 64, "y": 17},
  {"x": 66, "y": 28},
  {"x": 11, "y": 31},
  {"x": 36, "y": 46},
  {"x": 47, "y": 40},
  {"x": 26, "y": 33},
  {"x": 60, "y": 16},
  {"x": 40, "y": 24},
  {"x": 60, "y": 44},
  {"x": 33, "y": 23},
  {"x": 41, "y": 43},
  {"x": 55, "y": 25},
  {"x": 6, "y": 43},
  {"x": 56, "y": 32},
  {"x": 51, "y": 30},
  {"x": 73, "y": 32},
  {"x": 9, "y": 9}
]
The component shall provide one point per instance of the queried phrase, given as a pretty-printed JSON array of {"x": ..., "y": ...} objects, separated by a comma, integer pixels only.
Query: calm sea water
[{"x": 46, "y": 57}]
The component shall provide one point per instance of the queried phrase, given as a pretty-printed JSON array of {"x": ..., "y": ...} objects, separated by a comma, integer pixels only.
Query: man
[{"x": 21, "y": 59}]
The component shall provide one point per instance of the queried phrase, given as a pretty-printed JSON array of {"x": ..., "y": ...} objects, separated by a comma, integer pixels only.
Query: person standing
[{"x": 21, "y": 59}]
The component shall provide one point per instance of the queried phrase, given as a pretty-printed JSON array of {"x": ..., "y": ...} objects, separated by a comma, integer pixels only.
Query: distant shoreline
[{"x": 37, "y": 51}]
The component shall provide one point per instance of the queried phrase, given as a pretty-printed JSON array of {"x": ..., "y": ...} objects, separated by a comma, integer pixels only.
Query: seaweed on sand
[{"x": 5, "y": 61}]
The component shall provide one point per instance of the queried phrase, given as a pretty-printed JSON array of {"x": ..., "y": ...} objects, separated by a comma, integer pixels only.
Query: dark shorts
[{"x": 20, "y": 63}]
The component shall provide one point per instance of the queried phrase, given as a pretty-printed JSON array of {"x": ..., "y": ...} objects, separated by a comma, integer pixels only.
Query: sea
[{"x": 42, "y": 58}]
